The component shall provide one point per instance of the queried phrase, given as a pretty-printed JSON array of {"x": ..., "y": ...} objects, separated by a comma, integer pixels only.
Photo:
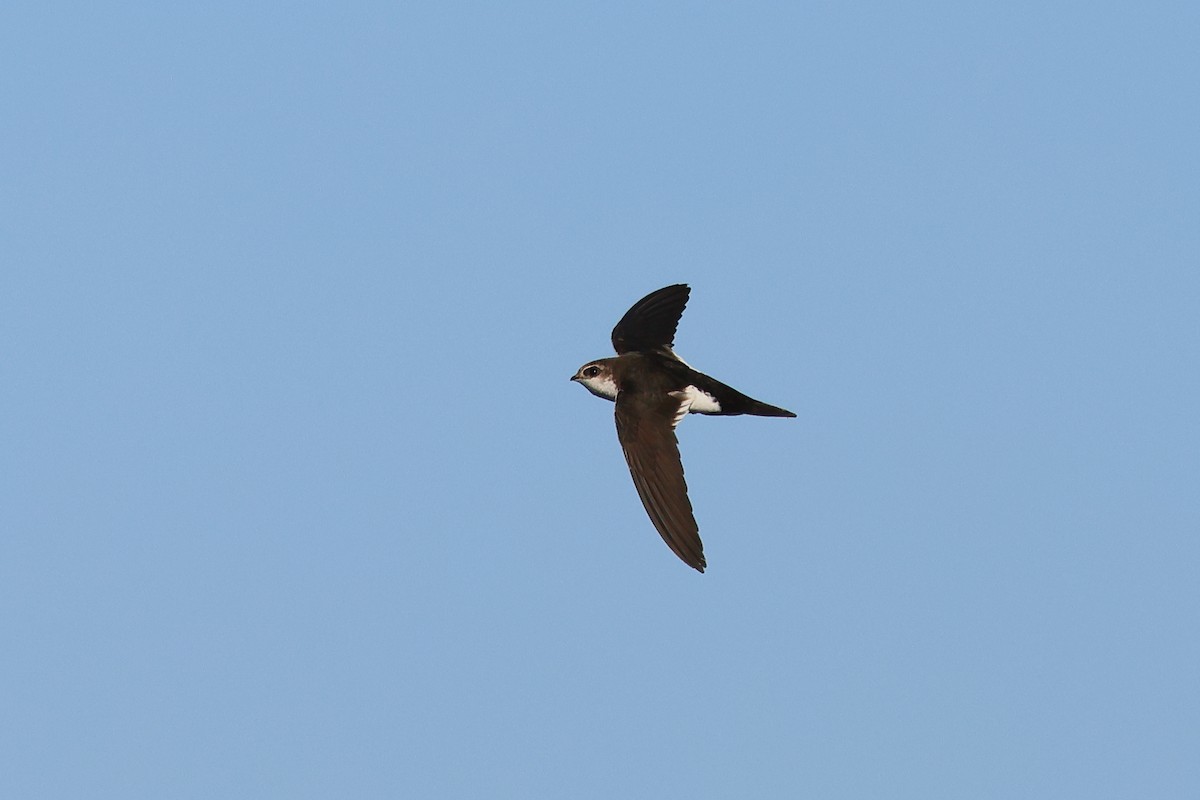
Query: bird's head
[{"x": 597, "y": 377}]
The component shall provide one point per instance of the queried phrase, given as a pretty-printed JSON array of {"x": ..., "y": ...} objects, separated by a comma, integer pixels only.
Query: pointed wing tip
[
  {"x": 697, "y": 563},
  {"x": 650, "y": 323}
]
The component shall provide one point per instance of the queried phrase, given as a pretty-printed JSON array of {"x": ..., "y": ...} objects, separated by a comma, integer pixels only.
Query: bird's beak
[{"x": 574, "y": 377}]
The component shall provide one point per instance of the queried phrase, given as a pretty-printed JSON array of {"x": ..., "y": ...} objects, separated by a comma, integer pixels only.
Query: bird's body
[
  {"x": 655, "y": 372},
  {"x": 653, "y": 390}
]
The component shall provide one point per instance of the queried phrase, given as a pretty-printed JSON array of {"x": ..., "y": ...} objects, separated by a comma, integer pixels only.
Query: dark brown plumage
[
  {"x": 646, "y": 430},
  {"x": 654, "y": 389}
]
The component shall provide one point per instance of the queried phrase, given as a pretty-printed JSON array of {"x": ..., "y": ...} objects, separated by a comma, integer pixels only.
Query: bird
[{"x": 654, "y": 389}]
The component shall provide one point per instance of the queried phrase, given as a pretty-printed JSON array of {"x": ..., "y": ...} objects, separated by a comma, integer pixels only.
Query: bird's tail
[
  {"x": 760, "y": 409},
  {"x": 732, "y": 402}
]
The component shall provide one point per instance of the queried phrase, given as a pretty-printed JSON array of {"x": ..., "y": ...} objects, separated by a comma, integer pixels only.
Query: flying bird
[{"x": 654, "y": 389}]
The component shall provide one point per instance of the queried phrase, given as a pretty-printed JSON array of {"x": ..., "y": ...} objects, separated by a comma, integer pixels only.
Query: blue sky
[{"x": 300, "y": 503}]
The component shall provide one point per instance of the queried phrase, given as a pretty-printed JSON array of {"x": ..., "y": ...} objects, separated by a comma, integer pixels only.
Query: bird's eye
[{"x": 591, "y": 372}]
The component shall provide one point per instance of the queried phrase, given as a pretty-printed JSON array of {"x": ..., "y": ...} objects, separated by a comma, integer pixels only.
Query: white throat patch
[{"x": 602, "y": 386}]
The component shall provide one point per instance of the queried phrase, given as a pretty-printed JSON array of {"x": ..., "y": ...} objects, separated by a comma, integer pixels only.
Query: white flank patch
[
  {"x": 685, "y": 403},
  {"x": 701, "y": 402},
  {"x": 692, "y": 400}
]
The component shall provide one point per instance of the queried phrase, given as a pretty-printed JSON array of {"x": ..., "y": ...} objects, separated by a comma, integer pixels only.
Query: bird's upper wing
[
  {"x": 645, "y": 428},
  {"x": 651, "y": 323}
]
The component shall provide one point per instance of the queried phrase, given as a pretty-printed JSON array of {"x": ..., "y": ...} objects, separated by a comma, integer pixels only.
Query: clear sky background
[{"x": 299, "y": 503}]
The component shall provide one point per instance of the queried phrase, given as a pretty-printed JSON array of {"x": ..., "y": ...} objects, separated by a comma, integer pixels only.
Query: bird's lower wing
[{"x": 645, "y": 428}]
